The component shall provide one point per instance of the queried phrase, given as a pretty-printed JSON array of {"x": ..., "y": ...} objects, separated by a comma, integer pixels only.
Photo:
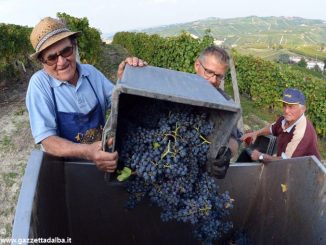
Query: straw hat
[{"x": 47, "y": 32}]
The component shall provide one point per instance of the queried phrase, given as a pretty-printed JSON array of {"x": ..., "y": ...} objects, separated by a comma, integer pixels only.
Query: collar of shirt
[
  {"x": 56, "y": 83},
  {"x": 290, "y": 128}
]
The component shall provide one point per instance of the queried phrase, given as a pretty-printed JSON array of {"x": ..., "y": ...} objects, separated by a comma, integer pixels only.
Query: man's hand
[
  {"x": 104, "y": 161},
  {"x": 220, "y": 165},
  {"x": 255, "y": 155},
  {"x": 133, "y": 61},
  {"x": 60, "y": 147},
  {"x": 249, "y": 137}
]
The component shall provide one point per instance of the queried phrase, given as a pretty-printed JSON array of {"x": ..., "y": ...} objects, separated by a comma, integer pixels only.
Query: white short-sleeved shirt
[{"x": 69, "y": 98}]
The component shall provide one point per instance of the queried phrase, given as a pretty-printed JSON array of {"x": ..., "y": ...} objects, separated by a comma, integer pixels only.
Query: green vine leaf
[
  {"x": 124, "y": 174},
  {"x": 156, "y": 145}
]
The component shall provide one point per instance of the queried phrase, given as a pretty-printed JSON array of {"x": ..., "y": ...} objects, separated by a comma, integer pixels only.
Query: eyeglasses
[
  {"x": 52, "y": 59},
  {"x": 209, "y": 73}
]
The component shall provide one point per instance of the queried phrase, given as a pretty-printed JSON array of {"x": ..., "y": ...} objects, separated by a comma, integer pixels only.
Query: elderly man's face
[
  {"x": 64, "y": 68},
  {"x": 211, "y": 69},
  {"x": 292, "y": 113}
]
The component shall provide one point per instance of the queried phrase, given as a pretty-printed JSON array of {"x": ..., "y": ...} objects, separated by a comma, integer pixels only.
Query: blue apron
[{"x": 79, "y": 127}]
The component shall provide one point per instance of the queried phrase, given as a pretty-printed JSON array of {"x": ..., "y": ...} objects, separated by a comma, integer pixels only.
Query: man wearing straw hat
[
  {"x": 295, "y": 134},
  {"x": 67, "y": 100}
]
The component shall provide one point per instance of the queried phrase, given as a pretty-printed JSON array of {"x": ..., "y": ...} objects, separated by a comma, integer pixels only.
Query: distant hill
[
  {"x": 253, "y": 30},
  {"x": 263, "y": 36}
]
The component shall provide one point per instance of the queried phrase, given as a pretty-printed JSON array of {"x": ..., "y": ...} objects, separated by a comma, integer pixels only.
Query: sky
[{"x": 110, "y": 16}]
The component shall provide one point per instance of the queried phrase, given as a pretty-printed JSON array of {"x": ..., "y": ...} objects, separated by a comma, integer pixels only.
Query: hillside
[
  {"x": 253, "y": 30},
  {"x": 263, "y": 36}
]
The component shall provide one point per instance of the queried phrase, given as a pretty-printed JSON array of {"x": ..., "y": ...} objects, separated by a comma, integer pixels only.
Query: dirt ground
[{"x": 16, "y": 144}]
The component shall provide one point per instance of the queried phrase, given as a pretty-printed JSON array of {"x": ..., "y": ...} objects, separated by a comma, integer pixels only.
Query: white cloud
[{"x": 158, "y": 1}]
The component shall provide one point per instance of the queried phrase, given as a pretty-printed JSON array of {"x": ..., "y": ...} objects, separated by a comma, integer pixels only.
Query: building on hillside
[
  {"x": 295, "y": 59},
  {"x": 312, "y": 63},
  {"x": 218, "y": 42},
  {"x": 194, "y": 36}
]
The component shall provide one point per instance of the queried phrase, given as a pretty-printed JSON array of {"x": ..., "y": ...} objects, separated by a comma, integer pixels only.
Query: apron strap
[
  {"x": 98, "y": 100},
  {"x": 55, "y": 110}
]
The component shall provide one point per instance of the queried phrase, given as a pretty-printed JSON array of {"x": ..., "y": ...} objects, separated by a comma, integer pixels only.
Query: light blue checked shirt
[{"x": 69, "y": 98}]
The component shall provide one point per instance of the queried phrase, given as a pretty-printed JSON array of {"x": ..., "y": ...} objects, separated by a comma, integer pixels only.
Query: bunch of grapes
[{"x": 167, "y": 153}]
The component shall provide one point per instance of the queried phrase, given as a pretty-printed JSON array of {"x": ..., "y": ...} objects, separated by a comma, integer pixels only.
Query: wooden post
[{"x": 236, "y": 90}]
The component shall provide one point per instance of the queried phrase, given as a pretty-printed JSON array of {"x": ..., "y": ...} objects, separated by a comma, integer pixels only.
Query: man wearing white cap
[
  {"x": 295, "y": 134},
  {"x": 66, "y": 100}
]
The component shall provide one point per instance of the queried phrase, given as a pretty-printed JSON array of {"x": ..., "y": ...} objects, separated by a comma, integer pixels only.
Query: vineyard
[
  {"x": 263, "y": 81},
  {"x": 15, "y": 46},
  {"x": 252, "y": 30}
]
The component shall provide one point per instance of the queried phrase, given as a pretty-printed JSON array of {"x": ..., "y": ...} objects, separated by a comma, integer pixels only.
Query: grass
[
  {"x": 111, "y": 57},
  {"x": 322, "y": 148},
  {"x": 312, "y": 51},
  {"x": 273, "y": 55},
  {"x": 10, "y": 178},
  {"x": 20, "y": 111},
  {"x": 265, "y": 53},
  {"x": 248, "y": 109},
  {"x": 5, "y": 141}
]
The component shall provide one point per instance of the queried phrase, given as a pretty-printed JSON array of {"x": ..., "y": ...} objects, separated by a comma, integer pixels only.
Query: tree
[
  {"x": 302, "y": 63},
  {"x": 15, "y": 48},
  {"x": 316, "y": 68},
  {"x": 89, "y": 42},
  {"x": 284, "y": 58}
]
